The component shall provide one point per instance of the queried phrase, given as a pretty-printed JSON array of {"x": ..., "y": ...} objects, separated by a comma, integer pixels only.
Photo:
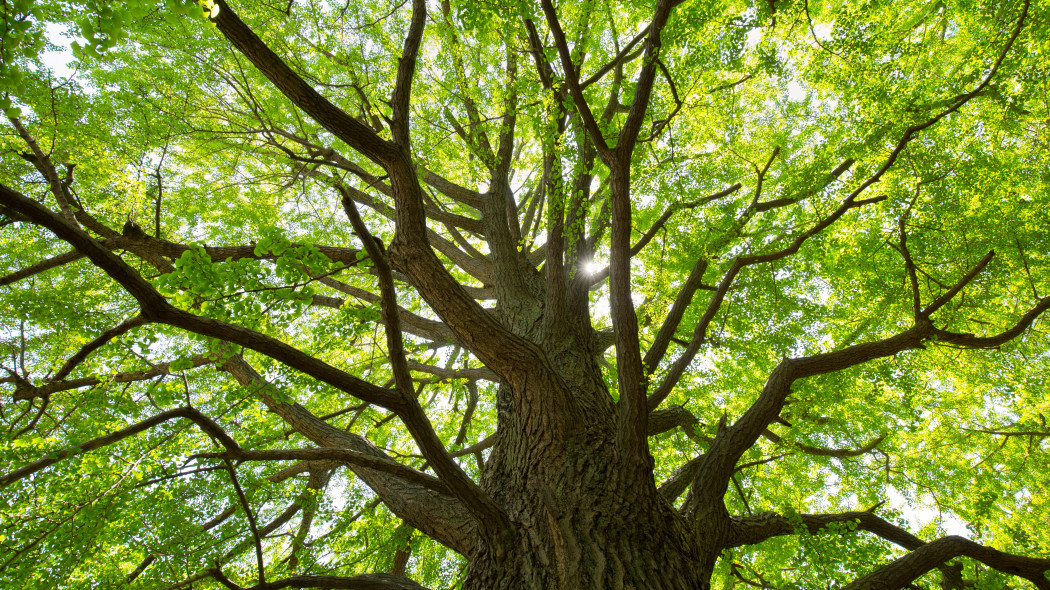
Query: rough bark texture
[{"x": 581, "y": 518}]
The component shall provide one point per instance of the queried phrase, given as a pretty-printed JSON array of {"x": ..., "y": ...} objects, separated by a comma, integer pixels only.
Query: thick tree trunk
[
  {"x": 582, "y": 525},
  {"x": 582, "y": 519},
  {"x": 602, "y": 546}
]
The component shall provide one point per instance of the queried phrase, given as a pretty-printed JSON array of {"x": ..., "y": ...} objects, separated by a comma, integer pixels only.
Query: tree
[{"x": 514, "y": 295}]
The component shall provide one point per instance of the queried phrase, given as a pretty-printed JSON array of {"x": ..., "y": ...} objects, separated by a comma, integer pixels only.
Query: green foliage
[{"x": 163, "y": 124}]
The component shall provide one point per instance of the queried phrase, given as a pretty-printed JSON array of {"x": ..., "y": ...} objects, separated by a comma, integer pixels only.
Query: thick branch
[
  {"x": 356, "y": 134},
  {"x": 633, "y": 410},
  {"x": 440, "y": 516},
  {"x": 644, "y": 84},
  {"x": 43, "y": 265},
  {"x": 758, "y": 528},
  {"x": 401, "y": 99},
  {"x": 675, "y": 485},
  {"x": 718, "y": 463},
  {"x": 923, "y": 557},
  {"x": 516, "y": 360},
  {"x": 900, "y": 572}
]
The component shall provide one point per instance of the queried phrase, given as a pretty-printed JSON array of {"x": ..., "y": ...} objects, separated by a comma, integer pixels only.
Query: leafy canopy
[{"x": 168, "y": 146}]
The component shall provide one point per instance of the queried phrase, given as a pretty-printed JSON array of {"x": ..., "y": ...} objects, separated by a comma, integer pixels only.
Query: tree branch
[
  {"x": 971, "y": 341},
  {"x": 356, "y": 134},
  {"x": 103, "y": 338},
  {"x": 623, "y": 56},
  {"x": 958, "y": 286},
  {"x": 675, "y": 372},
  {"x": 479, "y": 268},
  {"x": 717, "y": 466},
  {"x": 572, "y": 79},
  {"x": 155, "y": 308},
  {"x": 478, "y": 502},
  {"x": 252, "y": 525},
  {"x": 205, "y": 424},
  {"x": 24, "y": 391},
  {"x": 42, "y": 162},
  {"x": 718, "y": 463},
  {"x": 401, "y": 99},
  {"x": 360, "y": 582},
  {"x": 900, "y": 572},
  {"x": 674, "y": 208},
  {"x": 440, "y": 516},
  {"x": 340, "y": 455},
  {"x": 756, "y": 529}
]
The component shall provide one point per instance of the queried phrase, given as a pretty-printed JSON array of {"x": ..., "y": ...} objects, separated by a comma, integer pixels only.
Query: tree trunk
[
  {"x": 581, "y": 518},
  {"x": 582, "y": 524},
  {"x": 598, "y": 547}
]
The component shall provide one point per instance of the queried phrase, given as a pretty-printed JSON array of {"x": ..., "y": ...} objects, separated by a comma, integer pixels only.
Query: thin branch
[
  {"x": 252, "y": 525},
  {"x": 24, "y": 391},
  {"x": 623, "y": 56},
  {"x": 909, "y": 264},
  {"x": 826, "y": 452},
  {"x": 42, "y": 162},
  {"x": 42, "y": 266},
  {"x": 676, "y": 207},
  {"x": 103, "y": 338},
  {"x": 730, "y": 444},
  {"x": 572, "y": 79},
  {"x": 912, "y": 130},
  {"x": 155, "y": 308},
  {"x": 205, "y": 424}
]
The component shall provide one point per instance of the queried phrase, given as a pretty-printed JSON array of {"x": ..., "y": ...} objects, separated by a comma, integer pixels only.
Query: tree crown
[{"x": 291, "y": 291}]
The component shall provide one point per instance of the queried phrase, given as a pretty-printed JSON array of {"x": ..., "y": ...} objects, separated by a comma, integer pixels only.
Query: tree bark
[{"x": 582, "y": 519}]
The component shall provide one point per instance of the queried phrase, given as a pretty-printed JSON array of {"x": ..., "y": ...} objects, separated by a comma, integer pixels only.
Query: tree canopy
[{"x": 516, "y": 294}]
